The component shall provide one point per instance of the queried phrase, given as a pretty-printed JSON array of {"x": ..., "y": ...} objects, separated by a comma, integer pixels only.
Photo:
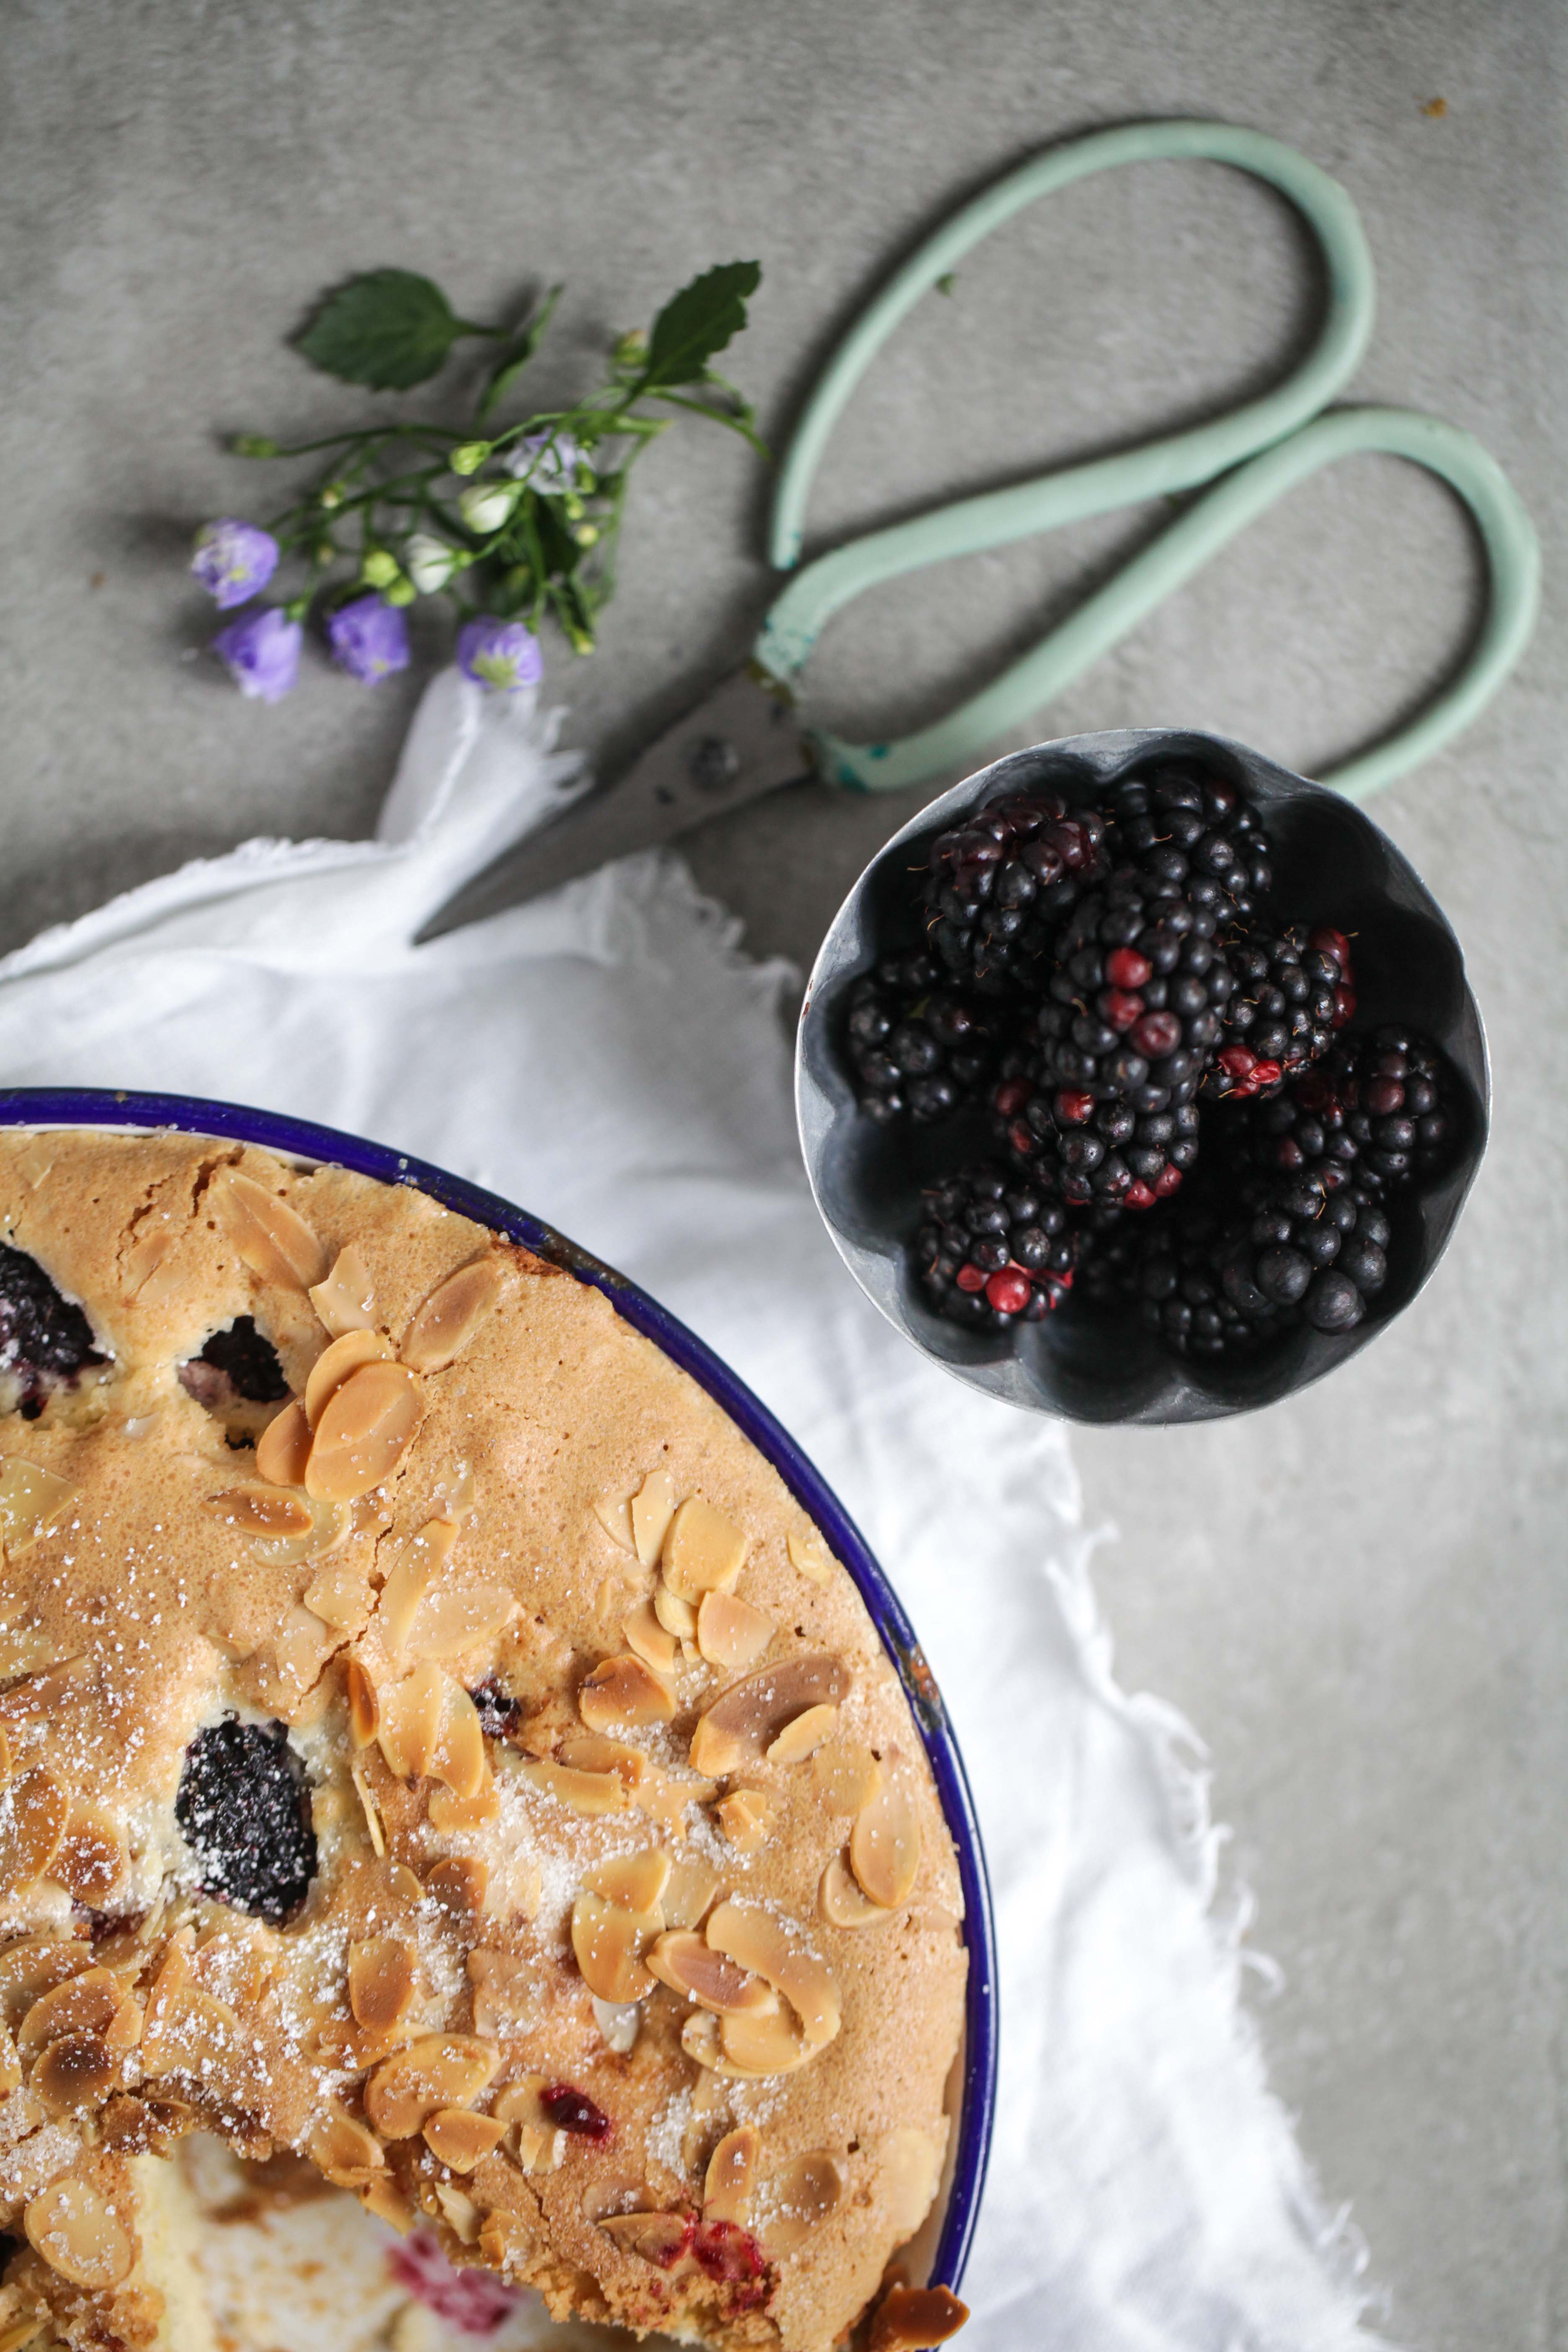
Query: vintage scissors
[{"x": 749, "y": 737}]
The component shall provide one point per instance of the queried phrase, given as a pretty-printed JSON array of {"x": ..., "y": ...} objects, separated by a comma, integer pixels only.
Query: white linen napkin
[{"x": 608, "y": 1058}]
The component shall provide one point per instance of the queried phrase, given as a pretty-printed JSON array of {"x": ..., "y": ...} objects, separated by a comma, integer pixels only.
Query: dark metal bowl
[{"x": 1331, "y": 865}]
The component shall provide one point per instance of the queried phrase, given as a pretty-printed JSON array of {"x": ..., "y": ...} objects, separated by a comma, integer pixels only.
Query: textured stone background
[{"x": 1357, "y": 1597}]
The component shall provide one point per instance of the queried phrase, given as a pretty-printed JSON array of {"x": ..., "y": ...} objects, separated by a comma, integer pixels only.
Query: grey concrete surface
[{"x": 1357, "y": 1597}]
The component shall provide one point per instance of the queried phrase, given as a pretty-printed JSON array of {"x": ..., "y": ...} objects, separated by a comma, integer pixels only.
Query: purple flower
[
  {"x": 234, "y": 560},
  {"x": 261, "y": 653},
  {"x": 369, "y": 639},
  {"x": 546, "y": 461},
  {"x": 500, "y": 655}
]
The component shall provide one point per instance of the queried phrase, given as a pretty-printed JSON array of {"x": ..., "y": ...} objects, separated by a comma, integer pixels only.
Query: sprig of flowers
[{"x": 508, "y": 524}]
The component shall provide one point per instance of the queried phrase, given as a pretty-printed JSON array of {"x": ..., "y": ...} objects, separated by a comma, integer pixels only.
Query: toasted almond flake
[
  {"x": 75, "y": 2075},
  {"x": 42, "y": 1693},
  {"x": 31, "y": 1501},
  {"x": 652, "y": 1508},
  {"x": 803, "y": 1735},
  {"x": 146, "y": 1254},
  {"x": 506, "y": 1993},
  {"x": 262, "y": 1511},
  {"x": 447, "y": 1623},
  {"x": 507, "y": 2242},
  {"x": 381, "y": 1981},
  {"x": 339, "y": 1595},
  {"x": 648, "y": 1639},
  {"x": 283, "y": 1448},
  {"x": 31, "y": 1968},
  {"x": 618, "y": 2021},
  {"x": 657, "y": 2238},
  {"x": 459, "y": 2140},
  {"x": 751, "y": 1713},
  {"x": 34, "y": 1811},
  {"x": 381, "y": 2196},
  {"x": 364, "y": 1703},
  {"x": 460, "y": 2212},
  {"x": 581, "y": 1792},
  {"x": 459, "y": 1758},
  {"x": 444, "y": 2070},
  {"x": 459, "y": 1885},
  {"x": 363, "y": 1433},
  {"x": 519, "y": 2104},
  {"x": 623, "y": 1692},
  {"x": 452, "y": 1815},
  {"x": 801, "y": 2198},
  {"x": 885, "y": 1846},
  {"x": 417, "y": 1565},
  {"x": 452, "y": 1314},
  {"x": 770, "y": 1947},
  {"x": 89, "y": 2003},
  {"x": 700, "y": 2040},
  {"x": 756, "y": 2042},
  {"x": 608, "y": 1943},
  {"x": 342, "y": 2149},
  {"x": 909, "y": 2161},
  {"x": 8, "y": 1762},
  {"x": 916, "y": 2318},
  {"x": 664, "y": 1798},
  {"x": 689, "y": 1965},
  {"x": 273, "y": 1239},
  {"x": 677, "y": 1616},
  {"x": 345, "y": 1298},
  {"x": 702, "y": 1551},
  {"x": 634, "y": 1881},
  {"x": 614, "y": 1513},
  {"x": 91, "y": 1857},
  {"x": 731, "y": 1634},
  {"x": 746, "y": 1818},
  {"x": 687, "y": 1891},
  {"x": 731, "y": 2176},
  {"x": 843, "y": 1905},
  {"x": 76, "y": 2229},
  {"x": 845, "y": 1775},
  {"x": 411, "y": 1722},
  {"x": 190, "y": 2032},
  {"x": 336, "y": 1362},
  {"x": 808, "y": 1554},
  {"x": 18, "y": 2330},
  {"x": 590, "y": 1751}
]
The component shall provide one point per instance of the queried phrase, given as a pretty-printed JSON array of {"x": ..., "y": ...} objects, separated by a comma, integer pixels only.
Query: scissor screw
[{"x": 714, "y": 764}]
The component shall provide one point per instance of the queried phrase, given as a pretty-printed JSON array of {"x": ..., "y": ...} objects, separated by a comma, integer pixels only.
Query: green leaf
[
  {"x": 389, "y": 329},
  {"x": 517, "y": 352},
  {"x": 697, "y": 321}
]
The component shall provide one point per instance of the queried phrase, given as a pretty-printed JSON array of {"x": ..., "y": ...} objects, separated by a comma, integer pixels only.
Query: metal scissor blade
[{"x": 743, "y": 741}]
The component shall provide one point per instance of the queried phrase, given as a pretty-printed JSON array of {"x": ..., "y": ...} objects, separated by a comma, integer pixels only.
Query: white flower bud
[
  {"x": 485, "y": 506},
  {"x": 430, "y": 561}
]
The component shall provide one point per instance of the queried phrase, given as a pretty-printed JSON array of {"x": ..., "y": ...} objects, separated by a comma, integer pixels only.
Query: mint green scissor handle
[{"x": 1262, "y": 448}]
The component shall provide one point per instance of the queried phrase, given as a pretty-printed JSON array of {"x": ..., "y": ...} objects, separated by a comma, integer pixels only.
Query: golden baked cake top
[{"x": 436, "y": 1742}]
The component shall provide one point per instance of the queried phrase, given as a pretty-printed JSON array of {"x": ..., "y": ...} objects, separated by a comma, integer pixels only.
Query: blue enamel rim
[{"x": 192, "y": 1113}]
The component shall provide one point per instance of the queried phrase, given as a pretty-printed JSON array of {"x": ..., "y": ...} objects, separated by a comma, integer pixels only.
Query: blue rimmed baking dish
[{"x": 48, "y": 1107}]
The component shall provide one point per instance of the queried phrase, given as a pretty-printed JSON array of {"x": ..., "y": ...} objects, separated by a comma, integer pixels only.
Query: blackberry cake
[{"x": 439, "y": 1755}]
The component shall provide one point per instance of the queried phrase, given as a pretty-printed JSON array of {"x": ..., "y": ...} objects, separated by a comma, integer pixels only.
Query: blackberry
[
  {"x": 914, "y": 1044},
  {"x": 45, "y": 1340},
  {"x": 997, "y": 886},
  {"x": 244, "y": 1809},
  {"x": 242, "y": 1359},
  {"x": 1189, "y": 832},
  {"x": 1398, "y": 1100},
  {"x": 992, "y": 1252},
  {"x": 1294, "y": 989}
]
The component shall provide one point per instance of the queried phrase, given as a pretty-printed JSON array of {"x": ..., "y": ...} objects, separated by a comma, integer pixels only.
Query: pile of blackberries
[{"x": 1181, "y": 1110}]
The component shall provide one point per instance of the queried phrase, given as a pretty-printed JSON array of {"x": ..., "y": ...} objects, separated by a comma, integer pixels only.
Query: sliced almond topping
[
  {"x": 618, "y": 2021},
  {"x": 34, "y": 1811},
  {"x": 657, "y": 2238},
  {"x": 731, "y": 1634},
  {"x": 444, "y": 2070},
  {"x": 283, "y": 1448},
  {"x": 803, "y": 2197},
  {"x": 345, "y": 1300},
  {"x": 519, "y": 2103},
  {"x": 507, "y": 2242},
  {"x": 731, "y": 2176},
  {"x": 411, "y": 1714},
  {"x": 273, "y": 1239},
  {"x": 915, "y": 2319},
  {"x": 700, "y": 2040},
  {"x": 648, "y": 1639},
  {"x": 363, "y": 1433},
  {"x": 364, "y": 1703},
  {"x": 842, "y": 1902},
  {"x": 8, "y": 1761},
  {"x": 447, "y": 1623},
  {"x": 803, "y": 1736},
  {"x": 74, "y": 2076},
  {"x": 72, "y": 2224},
  {"x": 506, "y": 1989},
  {"x": 31, "y": 1500},
  {"x": 652, "y": 1509},
  {"x": 459, "y": 1758},
  {"x": 590, "y": 1751},
  {"x": 702, "y": 1551},
  {"x": 634, "y": 1881},
  {"x": 459, "y": 1885},
  {"x": 757, "y": 1940},
  {"x": 381, "y": 1981},
  {"x": 623, "y": 1692},
  {"x": 845, "y": 1775},
  {"x": 459, "y": 2140},
  {"x": 343, "y": 2149},
  {"x": 453, "y": 1815},
  {"x": 339, "y": 1595},
  {"x": 608, "y": 1943},
  {"x": 262, "y": 1511},
  {"x": 689, "y": 1965},
  {"x": 746, "y": 1818},
  {"x": 91, "y": 1859},
  {"x": 614, "y": 1513},
  {"x": 30, "y": 1969},
  {"x": 687, "y": 1891},
  {"x": 460, "y": 2212},
  {"x": 751, "y": 1713},
  {"x": 910, "y": 2165},
  {"x": 449, "y": 1317},
  {"x": 381, "y": 2196},
  {"x": 756, "y": 2042},
  {"x": 192, "y": 2033},
  {"x": 809, "y": 1555},
  {"x": 418, "y": 1562},
  {"x": 664, "y": 1798},
  {"x": 89, "y": 2003},
  {"x": 42, "y": 1693},
  {"x": 579, "y": 1791},
  {"x": 677, "y": 1616},
  {"x": 885, "y": 1846},
  {"x": 336, "y": 1362}
]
